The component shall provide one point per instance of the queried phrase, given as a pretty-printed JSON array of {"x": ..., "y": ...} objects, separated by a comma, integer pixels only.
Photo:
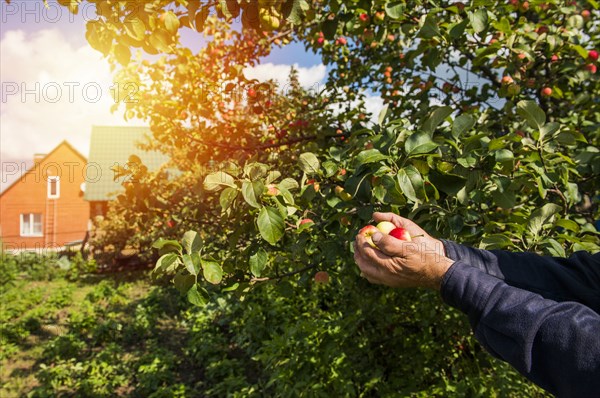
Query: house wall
[{"x": 30, "y": 195}]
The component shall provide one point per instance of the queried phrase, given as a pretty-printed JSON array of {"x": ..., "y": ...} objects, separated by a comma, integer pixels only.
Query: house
[
  {"x": 111, "y": 147},
  {"x": 45, "y": 208}
]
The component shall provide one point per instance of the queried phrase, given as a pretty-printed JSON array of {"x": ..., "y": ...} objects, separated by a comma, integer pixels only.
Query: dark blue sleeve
[
  {"x": 576, "y": 278},
  {"x": 555, "y": 345}
]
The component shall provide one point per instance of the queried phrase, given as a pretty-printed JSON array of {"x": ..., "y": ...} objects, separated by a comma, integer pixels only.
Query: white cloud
[
  {"x": 51, "y": 91},
  {"x": 310, "y": 77}
]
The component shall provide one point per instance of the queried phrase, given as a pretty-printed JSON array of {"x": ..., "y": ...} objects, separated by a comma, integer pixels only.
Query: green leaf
[
  {"x": 227, "y": 197},
  {"x": 167, "y": 245},
  {"x": 568, "y": 224},
  {"x": 462, "y": 124},
  {"x": 183, "y": 282},
  {"x": 123, "y": 54},
  {"x": 212, "y": 271},
  {"x": 166, "y": 263},
  {"x": 309, "y": 163},
  {"x": 217, "y": 180},
  {"x": 171, "y": 22},
  {"x": 189, "y": 264},
  {"x": 496, "y": 241},
  {"x": 540, "y": 216},
  {"x": 197, "y": 296},
  {"x": 436, "y": 118},
  {"x": 270, "y": 224},
  {"x": 394, "y": 9},
  {"x": 369, "y": 156},
  {"x": 258, "y": 262},
  {"x": 289, "y": 184},
  {"x": 382, "y": 114},
  {"x": 430, "y": 27},
  {"x": 252, "y": 191},
  {"x": 479, "y": 20},
  {"x": 191, "y": 242},
  {"x": 532, "y": 113},
  {"x": 406, "y": 186},
  {"x": 448, "y": 183},
  {"x": 329, "y": 28},
  {"x": 160, "y": 40},
  {"x": 504, "y": 155},
  {"x": 555, "y": 249},
  {"x": 419, "y": 143},
  {"x": 135, "y": 28},
  {"x": 292, "y": 11}
]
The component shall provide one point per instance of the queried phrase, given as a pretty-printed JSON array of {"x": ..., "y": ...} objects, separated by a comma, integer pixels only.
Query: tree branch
[{"x": 284, "y": 275}]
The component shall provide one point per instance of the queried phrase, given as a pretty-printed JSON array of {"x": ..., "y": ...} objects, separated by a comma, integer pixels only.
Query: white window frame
[
  {"x": 50, "y": 180},
  {"x": 31, "y": 232}
]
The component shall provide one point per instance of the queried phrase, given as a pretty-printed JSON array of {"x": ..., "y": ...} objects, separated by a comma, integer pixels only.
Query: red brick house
[{"x": 45, "y": 208}]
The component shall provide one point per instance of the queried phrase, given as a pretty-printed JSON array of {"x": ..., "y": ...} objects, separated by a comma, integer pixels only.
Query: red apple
[
  {"x": 507, "y": 80},
  {"x": 401, "y": 233},
  {"x": 368, "y": 231},
  {"x": 321, "y": 40},
  {"x": 593, "y": 55},
  {"x": 322, "y": 277},
  {"x": 364, "y": 17},
  {"x": 379, "y": 16},
  {"x": 341, "y": 41},
  {"x": 586, "y": 14},
  {"x": 252, "y": 93},
  {"x": 546, "y": 92},
  {"x": 554, "y": 58},
  {"x": 592, "y": 68}
]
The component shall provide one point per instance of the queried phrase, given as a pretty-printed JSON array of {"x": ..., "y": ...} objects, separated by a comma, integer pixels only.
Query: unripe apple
[
  {"x": 272, "y": 190},
  {"x": 546, "y": 92},
  {"x": 591, "y": 68},
  {"x": 385, "y": 227},
  {"x": 507, "y": 80},
  {"x": 400, "y": 233},
  {"x": 342, "y": 193},
  {"x": 379, "y": 16},
  {"x": 306, "y": 221},
  {"x": 368, "y": 231},
  {"x": 586, "y": 14},
  {"x": 322, "y": 277}
]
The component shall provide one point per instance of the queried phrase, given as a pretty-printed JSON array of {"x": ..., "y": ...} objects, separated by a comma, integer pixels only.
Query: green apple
[{"x": 385, "y": 227}]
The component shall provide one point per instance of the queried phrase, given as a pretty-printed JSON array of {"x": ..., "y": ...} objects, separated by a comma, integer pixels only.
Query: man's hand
[{"x": 419, "y": 263}]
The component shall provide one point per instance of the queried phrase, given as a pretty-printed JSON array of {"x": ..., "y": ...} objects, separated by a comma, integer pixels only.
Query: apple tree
[{"x": 489, "y": 134}]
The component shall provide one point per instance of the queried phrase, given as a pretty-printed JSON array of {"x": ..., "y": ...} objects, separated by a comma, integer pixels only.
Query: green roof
[{"x": 111, "y": 146}]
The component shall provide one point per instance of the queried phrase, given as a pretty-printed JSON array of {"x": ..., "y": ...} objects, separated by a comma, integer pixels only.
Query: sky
[{"x": 55, "y": 87}]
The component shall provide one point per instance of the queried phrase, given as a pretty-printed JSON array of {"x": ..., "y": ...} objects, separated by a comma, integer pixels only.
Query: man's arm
[
  {"x": 555, "y": 345},
  {"x": 576, "y": 278}
]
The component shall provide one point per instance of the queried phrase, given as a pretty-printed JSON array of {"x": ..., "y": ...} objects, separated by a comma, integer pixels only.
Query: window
[
  {"x": 31, "y": 224},
  {"x": 53, "y": 187}
]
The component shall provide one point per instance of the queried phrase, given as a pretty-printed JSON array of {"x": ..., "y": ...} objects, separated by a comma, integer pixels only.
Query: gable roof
[
  {"x": 63, "y": 143},
  {"x": 110, "y": 146}
]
